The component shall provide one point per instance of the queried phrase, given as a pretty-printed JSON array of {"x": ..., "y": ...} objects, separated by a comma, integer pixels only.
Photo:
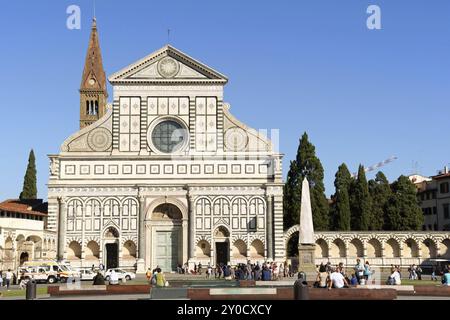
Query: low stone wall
[
  {"x": 99, "y": 290},
  {"x": 288, "y": 294}
]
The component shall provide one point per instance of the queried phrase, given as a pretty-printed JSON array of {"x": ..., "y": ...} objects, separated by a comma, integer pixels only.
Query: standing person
[
  {"x": 281, "y": 274},
  {"x": 433, "y": 274},
  {"x": 8, "y": 278},
  {"x": 199, "y": 268},
  {"x": 209, "y": 271},
  {"x": 367, "y": 271},
  {"x": 195, "y": 268},
  {"x": 160, "y": 278},
  {"x": 1, "y": 279},
  {"x": 359, "y": 270},
  {"x": 419, "y": 273}
]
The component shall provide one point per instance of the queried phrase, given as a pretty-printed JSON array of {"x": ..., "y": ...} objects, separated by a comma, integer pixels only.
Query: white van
[{"x": 48, "y": 272}]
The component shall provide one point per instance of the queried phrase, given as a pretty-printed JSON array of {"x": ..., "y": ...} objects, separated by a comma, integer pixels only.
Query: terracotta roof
[
  {"x": 32, "y": 207},
  {"x": 441, "y": 176}
]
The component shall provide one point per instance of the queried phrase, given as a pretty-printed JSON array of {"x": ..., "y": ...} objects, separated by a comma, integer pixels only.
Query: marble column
[
  {"x": 191, "y": 237},
  {"x": 61, "y": 228},
  {"x": 141, "y": 241},
  {"x": 270, "y": 252}
]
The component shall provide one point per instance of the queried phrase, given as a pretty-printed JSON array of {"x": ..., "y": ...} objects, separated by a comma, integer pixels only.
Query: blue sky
[{"x": 362, "y": 95}]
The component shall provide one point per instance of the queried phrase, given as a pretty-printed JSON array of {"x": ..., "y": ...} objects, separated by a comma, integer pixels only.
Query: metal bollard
[
  {"x": 301, "y": 291},
  {"x": 31, "y": 290}
]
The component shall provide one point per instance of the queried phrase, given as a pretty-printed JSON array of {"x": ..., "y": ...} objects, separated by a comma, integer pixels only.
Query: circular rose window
[{"x": 169, "y": 136}]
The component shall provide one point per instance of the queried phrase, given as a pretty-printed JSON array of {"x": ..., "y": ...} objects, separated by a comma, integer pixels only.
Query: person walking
[
  {"x": 1, "y": 279},
  {"x": 359, "y": 270},
  {"x": 367, "y": 272},
  {"x": 8, "y": 278}
]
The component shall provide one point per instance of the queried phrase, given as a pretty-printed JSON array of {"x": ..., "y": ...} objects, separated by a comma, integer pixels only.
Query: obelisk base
[
  {"x": 306, "y": 260},
  {"x": 140, "y": 266}
]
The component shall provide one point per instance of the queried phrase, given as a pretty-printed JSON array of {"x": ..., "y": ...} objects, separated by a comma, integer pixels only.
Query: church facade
[{"x": 165, "y": 174}]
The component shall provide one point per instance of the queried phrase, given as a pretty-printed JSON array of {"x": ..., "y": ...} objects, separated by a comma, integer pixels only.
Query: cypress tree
[
  {"x": 361, "y": 202},
  {"x": 403, "y": 210},
  {"x": 341, "y": 207},
  {"x": 29, "y": 190},
  {"x": 380, "y": 191},
  {"x": 306, "y": 165}
]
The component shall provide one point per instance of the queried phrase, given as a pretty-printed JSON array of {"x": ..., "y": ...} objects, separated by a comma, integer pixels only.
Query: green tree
[
  {"x": 403, "y": 211},
  {"x": 341, "y": 207},
  {"x": 360, "y": 202},
  {"x": 306, "y": 165},
  {"x": 380, "y": 191},
  {"x": 29, "y": 190}
]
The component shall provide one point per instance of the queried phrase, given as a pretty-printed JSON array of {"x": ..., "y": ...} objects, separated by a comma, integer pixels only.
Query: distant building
[
  {"x": 434, "y": 196},
  {"x": 23, "y": 234}
]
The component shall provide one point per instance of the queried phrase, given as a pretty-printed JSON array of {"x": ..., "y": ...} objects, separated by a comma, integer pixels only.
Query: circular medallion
[
  {"x": 168, "y": 67},
  {"x": 100, "y": 139},
  {"x": 236, "y": 139},
  {"x": 92, "y": 82}
]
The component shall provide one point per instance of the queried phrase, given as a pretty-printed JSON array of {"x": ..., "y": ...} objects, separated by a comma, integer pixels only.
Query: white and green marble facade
[{"x": 110, "y": 184}]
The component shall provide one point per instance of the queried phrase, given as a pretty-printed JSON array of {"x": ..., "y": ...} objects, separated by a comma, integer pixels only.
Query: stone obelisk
[{"x": 306, "y": 243}]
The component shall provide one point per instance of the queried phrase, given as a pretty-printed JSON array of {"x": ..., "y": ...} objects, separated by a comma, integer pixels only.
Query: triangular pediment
[{"x": 167, "y": 65}]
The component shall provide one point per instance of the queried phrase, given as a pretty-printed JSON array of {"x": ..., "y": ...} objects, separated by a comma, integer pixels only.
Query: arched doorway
[
  {"x": 222, "y": 241},
  {"x": 111, "y": 240},
  {"x": 24, "y": 257},
  {"x": 166, "y": 222}
]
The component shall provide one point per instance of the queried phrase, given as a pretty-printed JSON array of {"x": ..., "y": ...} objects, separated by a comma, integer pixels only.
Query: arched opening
[
  {"x": 355, "y": 249},
  {"x": 74, "y": 251},
  {"x": 257, "y": 250},
  {"x": 203, "y": 249},
  {"x": 321, "y": 249},
  {"x": 111, "y": 238},
  {"x": 239, "y": 250},
  {"x": 337, "y": 249},
  {"x": 167, "y": 212},
  {"x": 167, "y": 247},
  {"x": 129, "y": 250},
  {"x": 92, "y": 251},
  {"x": 9, "y": 251},
  {"x": 292, "y": 245},
  {"x": 410, "y": 249},
  {"x": 374, "y": 248},
  {"x": 221, "y": 238},
  {"x": 392, "y": 249},
  {"x": 429, "y": 250},
  {"x": 37, "y": 241},
  {"x": 445, "y": 249},
  {"x": 24, "y": 257}
]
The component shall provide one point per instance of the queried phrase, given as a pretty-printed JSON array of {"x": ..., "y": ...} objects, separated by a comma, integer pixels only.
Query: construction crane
[{"x": 377, "y": 166}]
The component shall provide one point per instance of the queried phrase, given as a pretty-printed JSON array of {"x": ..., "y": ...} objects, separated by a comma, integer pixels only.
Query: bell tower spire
[{"x": 93, "y": 91}]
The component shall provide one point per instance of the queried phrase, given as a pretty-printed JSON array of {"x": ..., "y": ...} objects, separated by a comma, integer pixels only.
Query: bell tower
[{"x": 93, "y": 92}]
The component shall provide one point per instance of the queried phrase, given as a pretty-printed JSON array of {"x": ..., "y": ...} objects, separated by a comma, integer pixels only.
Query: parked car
[
  {"x": 87, "y": 274},
  {"x": 121, "y": 274}
]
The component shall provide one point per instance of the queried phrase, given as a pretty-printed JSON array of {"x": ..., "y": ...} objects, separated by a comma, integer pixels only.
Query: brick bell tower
[{"x": 93, "y": 92}]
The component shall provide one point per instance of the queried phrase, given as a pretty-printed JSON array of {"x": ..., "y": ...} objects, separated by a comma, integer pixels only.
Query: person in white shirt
[
  {"x": 336, "y": 280},
  {"x": 8, "y": 278},
  {"x": 396, "y": 277}
]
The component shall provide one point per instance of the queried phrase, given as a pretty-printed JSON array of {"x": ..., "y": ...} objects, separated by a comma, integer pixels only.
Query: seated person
[
  {"x": 337, "y": 280},
  {"x": 394, "y": 279},
  {"x": 354, "y": 280},
  {"x": 446, "y": 278},
  {"x": 322, "y": 277},
  {"x": 99, "y": 280}
]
